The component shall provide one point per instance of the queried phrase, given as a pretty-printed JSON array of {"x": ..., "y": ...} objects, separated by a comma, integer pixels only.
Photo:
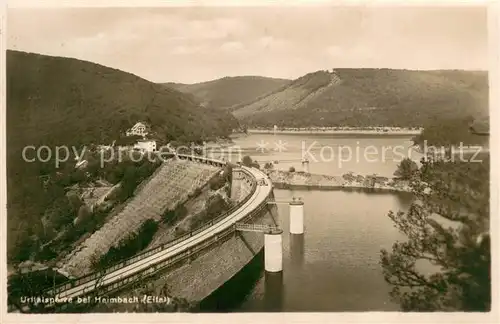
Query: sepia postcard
[{"x": 257, "y": 162}]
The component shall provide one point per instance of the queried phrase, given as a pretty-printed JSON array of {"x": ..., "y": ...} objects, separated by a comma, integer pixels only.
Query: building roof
[{"x": 140, "y": 123}]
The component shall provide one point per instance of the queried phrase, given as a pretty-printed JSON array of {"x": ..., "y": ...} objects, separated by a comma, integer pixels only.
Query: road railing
[
  {"x": 101, "y": 273},
  {"x": 121, "y": 280}
]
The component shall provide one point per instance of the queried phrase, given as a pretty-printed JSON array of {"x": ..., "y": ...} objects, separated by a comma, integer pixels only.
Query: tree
[
  {"x": 216, "y": 182},
  {"x": 349, "y": 176},
  {"x": 24, "y": 249},
  {"x": 268, "y": 166},
  {"x": 129, "y": 245},
  {"x": 60, "y": 213},
  {"x": 78, "y": 176},
  {"x": 84, "y": 213},
  {"x": 74, "y": 201},
  {"x": 406, "y": 169},
  {"x": 215, "y": 206},
  {"x": 459, "y": 255},
  {"x": 171, "y": 216},
  {"x": 46, "y": 254},
  {"x": 129, "y": 182},
  {"x": 247, "y": 161},
  {"x": 371, "y": 180}
]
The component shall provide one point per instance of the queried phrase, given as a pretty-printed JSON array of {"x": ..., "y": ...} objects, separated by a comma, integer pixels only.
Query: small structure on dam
[
  {"x": 296, "y": 216},
  {"x": 305, "y": 165},
  {"x": 273, "y": 250},
  {"x": 273, "y": 240},
  {"x": 273, "y": 244}
]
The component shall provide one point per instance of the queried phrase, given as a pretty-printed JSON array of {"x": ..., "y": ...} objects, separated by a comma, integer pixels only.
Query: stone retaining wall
[{"x": 198, "y": 279}]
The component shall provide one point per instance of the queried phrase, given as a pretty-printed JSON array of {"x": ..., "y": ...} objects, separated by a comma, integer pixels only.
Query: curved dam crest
[
  {"x": 196, "y": 264},
  {"x": 198, "y": 276}
]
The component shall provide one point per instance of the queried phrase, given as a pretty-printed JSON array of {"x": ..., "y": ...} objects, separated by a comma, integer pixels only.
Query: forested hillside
[
  {"x": 229, "y": 91},
  {"x": 370, "y": 97},
  {"x": 56, "y": 101}
]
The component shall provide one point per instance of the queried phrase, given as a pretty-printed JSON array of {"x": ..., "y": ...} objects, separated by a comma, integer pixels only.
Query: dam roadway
[{"x": 177, "y": 251}]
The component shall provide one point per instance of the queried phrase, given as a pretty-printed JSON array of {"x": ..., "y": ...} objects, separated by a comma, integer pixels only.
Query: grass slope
[
  {"x": 230, "y": 91},
  {"x": 61, "y": 101},
  {"x": 370, "y": 97}
]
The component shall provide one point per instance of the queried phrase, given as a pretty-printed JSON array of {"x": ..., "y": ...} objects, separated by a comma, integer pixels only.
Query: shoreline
[
  {"x": 376, "y": 132},
  {"x": 284, "y": 186},
  {"x": 348, "y": 182}
]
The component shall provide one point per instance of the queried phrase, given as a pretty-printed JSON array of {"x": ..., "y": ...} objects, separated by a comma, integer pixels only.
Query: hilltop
[
  {"x": 56, "y": 101},
  {"x": 370, "y": 97},
  {"x": 229, "y": 91},
  {"x": 68, "y": 101}
]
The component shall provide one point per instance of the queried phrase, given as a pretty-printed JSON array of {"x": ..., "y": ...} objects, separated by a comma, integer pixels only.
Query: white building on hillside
[
  {"x": 146, "y": 146},
  {"x": 139, "y": 129}
]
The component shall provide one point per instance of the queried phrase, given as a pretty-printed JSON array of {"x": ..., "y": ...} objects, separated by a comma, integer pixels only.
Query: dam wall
[
  {"x": 218, "y": 273},
  {"x": 197, "y": 279},
  {"x": 191, "y": 267},
  {"x": 241, "y": 184}
]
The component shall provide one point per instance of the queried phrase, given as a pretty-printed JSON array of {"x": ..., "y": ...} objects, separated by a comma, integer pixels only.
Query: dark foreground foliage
[{"x": 448, "y": 232}]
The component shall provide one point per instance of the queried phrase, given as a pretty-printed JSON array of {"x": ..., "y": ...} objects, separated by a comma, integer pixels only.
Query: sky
[{"x": 195, "y": 44}]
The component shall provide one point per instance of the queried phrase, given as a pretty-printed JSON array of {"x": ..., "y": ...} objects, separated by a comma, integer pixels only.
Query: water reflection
[
  {"x": 273, "y": 296},
  {"x": 297, "y": 250}
]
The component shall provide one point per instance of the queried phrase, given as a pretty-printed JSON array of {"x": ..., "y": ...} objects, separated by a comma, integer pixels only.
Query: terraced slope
[{"x": 171, "y": 185}]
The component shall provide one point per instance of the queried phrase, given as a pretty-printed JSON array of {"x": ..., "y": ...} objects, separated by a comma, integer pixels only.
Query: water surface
[
  {"x": 334, "y": 265},
  {"x": 328, "y": 154}
]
